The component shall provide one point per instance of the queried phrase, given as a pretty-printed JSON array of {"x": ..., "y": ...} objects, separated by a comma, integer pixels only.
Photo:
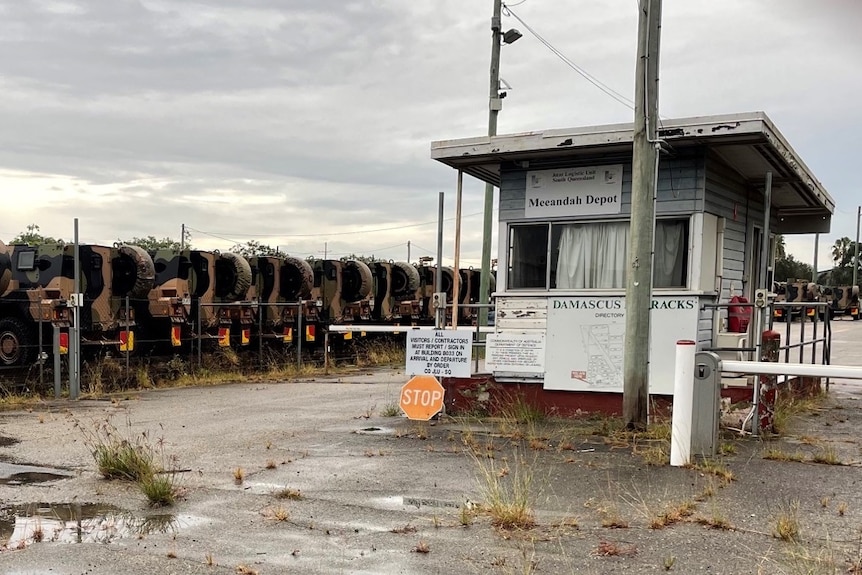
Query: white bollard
[{"x": 683, "y": 399}]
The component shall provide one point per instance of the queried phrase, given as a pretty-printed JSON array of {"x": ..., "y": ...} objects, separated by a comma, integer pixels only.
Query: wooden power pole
[{"x": 641, "y": 234}]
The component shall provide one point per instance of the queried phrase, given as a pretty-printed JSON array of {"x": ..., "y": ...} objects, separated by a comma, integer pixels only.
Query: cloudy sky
[{"x": 307, "y": 123}]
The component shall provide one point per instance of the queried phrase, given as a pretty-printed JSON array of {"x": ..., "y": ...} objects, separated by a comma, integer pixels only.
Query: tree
[
  {"x": 34, "y": 237},
  {"x": 780, "y": 247},
  {"x": 789, "y": 268},
  {"x": 253, "y": 248},
  {"x": 151, "y": 243},
  {"x": 843, "y": 255}
]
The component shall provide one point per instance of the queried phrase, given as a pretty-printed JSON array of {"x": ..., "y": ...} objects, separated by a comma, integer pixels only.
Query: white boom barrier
[
  {"x": 799, "y": 369},
  {"x": 344, "y": 328}
]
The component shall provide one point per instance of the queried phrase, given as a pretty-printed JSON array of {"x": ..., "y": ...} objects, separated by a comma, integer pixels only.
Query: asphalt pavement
[{"x": 330, "y": 484}]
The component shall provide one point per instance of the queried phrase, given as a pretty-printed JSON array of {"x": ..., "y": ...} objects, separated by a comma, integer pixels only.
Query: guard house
[{"x": 565, "y": 203}]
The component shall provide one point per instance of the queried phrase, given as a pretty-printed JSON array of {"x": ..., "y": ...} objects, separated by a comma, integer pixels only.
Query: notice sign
[
  {"x": 515, "y": 353},
  {"x": 574, "y": 191},
  {"x": 586, "y": 341},
  {"x": 438, "y": 352}
]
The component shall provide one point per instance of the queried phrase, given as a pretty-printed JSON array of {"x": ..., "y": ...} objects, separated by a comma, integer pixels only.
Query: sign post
[{"x": 421, "y": 397}]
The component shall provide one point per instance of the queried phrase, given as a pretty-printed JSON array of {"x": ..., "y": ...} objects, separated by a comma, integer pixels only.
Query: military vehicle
[
  {"x": 395, "y": 288},
  {"x": 198, "y": 288},
  {"x": 843, "y": 300},
  {"x": 39, "y": 288},
  {"x": 297, "y": 285}
]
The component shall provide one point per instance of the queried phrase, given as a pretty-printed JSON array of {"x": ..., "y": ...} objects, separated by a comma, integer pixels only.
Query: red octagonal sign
[{"x": 422, "y": 397}]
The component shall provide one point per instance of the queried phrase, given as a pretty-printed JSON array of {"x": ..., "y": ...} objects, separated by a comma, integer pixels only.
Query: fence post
[
  {"x": 299, "y": 335},
  {"x": 326, "y": 353},
  {"x": 260, "y": 335},
  {"x": 58, "y": 366},
  {"x": 41, "y": 351},
  {"x": 199, "y": 336},
  {"x": 764, "y": 420},
  {"x": 129, "y": 336}
]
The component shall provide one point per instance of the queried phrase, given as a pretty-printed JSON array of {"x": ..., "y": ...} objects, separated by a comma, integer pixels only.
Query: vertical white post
[{"x": 683, "y": 400}]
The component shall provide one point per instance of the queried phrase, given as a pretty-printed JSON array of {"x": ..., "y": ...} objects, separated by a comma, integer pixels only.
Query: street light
[{"x": 495, "y": 104}]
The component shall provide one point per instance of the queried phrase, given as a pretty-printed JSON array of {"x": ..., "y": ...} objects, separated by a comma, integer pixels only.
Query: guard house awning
[{"x": 749, "y": 143}]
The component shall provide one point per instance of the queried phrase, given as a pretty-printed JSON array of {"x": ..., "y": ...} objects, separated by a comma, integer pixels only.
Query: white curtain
[
  {"x": 670, "y": 254},
  {"x": 592, "y": 255}
]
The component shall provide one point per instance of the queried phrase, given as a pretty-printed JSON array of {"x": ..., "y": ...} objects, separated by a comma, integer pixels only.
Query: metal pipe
[
  {"x": 856, "y": 247},
  {"x": 761, "y": 317},
  {"x": 456, "y": 280},
  {"x": 58, "y": 366},
  {"x": 128, "y": 338},
  {"x": 345, "y": 328},
  {"x": 299, "y": 335},
  {"x": 199, "y": 335},
  {"x": 260, "y": 335},
  {"x": 75, "y": 341},
  {"x": 440, "y": 312},
  {"x": 41, "y": 357},
  {"x": 798, "y": 369}
]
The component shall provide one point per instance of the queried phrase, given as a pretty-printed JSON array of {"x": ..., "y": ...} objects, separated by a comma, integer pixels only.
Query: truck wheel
[
  {"x": 134, "y": 273},
  {"x": 5, "y": 268},
  {"x": 356, "y": 280},
  {"x": 235, "y": 278},
  {"x": 16, "y": 342},
  {"x": 405, "y": 279},
  {"x": 297, "y": 279}
]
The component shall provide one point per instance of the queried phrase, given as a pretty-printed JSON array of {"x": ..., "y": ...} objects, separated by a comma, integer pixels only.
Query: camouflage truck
[
  {"x": 843, "y": 300},
  {"x": 297, "y": 286},
  {"x": 194, "y": 287},
  {"x": 40, "y": 286},
  {"x": 395, "y": 293},
  {"x": 343, "y": 289},
  {"x": 428, "y": 287},
  {"x": 798, "y": 291},
  {"x": 264, "y": 291}
]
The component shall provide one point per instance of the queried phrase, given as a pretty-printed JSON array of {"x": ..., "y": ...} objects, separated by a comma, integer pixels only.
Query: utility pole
[
  {"x": 641, "y": 234},
  {"x": 814, "y": 267},
  {"x": 856, "y": 249},
  {"x": 408, "y": 251},
  {"x": 495, "y": 104},
  {"x": 183, "y": 237}
]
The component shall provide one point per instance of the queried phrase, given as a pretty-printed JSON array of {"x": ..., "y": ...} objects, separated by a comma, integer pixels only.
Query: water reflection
[{"x": 22, "y": 525}]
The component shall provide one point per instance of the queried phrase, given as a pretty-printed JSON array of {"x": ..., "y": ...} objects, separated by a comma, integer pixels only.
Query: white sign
[
  {"x": 515, "y": 352},
  {"x": 586, "y": 341},
  {"x": 574, "y": 191},
  {"x": 438, "y": 352}
]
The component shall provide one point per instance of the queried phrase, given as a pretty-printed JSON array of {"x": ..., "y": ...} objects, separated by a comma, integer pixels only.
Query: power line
[
  {"x": 324, "y": 235},
  {"x": 586, "y": 75}
]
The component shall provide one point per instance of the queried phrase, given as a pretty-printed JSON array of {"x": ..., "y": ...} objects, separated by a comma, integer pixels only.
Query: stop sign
[{"x": 421, "y": 397}]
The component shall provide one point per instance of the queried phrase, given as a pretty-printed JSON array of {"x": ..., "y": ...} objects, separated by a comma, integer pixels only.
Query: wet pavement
[{"x": 329, "y": 485}]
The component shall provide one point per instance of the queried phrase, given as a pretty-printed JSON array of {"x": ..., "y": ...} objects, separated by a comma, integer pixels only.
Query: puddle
[
  {"x": 15, "y": 474},
  {"x": 23, "y": 525},
  {"x": 7, "y": 441},
  {"x": 375, "y": 431}
]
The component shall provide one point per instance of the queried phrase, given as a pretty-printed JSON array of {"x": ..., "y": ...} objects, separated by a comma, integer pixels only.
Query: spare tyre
[
  {"x": 233, "y": 276},
  {"x": 5, "y": 268},
  {"x": 405, "y": 279},
  {"x": 296, "y": 279},
  {"x": 356, "y": 280},
  {"x": 133, "y": 272}
]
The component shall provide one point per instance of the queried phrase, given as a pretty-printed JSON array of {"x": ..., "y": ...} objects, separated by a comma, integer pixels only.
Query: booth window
[{"x": 592, "y": 255}]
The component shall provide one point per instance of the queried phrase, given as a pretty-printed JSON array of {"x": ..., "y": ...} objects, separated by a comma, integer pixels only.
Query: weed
[
  {"x": 172, "y": 554},
  {"x": 507, "y": 496},
  {"x": 717, "y": 521},
  {"x": 435, "y": 521},
  {"x": 613, "y": 549},
  {"x": 708, "y": 466},
  {"x": 780, "y": 455},
  {"x": 390, "y": 410},
  {"x": 515, "y": 408},
  {"x": 270, "y": 464},
  {"x": 245, "y": 570},
  {"x": 827, "y": 456},
  {"x": 842, "y": 509},
  {"x": 280, "y": 514},
  {"x": 465, "y": 516},
  {"x": 669, "y": 562},
  {"x": 41, "y": 418},
  {"x": 38, "y": 532},
  {"x": 238, "y": 475},
  {"x": 673, "y": 514},
  {"x": 422, "y": 547},
  {"x": 614, "y": 521},
  {"x": 787, "y": 406},
  {"x": 268, "y": 444},
  {"x": 824, "y": 501},
  {"x": 288, "y": 493},
  {"x": 787, "y": 522},
  {"x": 402, "y": 530},
  {"x": 209, "y": 561},
  {"x": 159, "y": 489},
  {"x": 727, "y": 449},
  {"x": 120, "y": 455}
]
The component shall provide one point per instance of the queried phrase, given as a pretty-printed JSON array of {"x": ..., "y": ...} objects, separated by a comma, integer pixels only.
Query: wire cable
[{"x": 507, "y": 10}]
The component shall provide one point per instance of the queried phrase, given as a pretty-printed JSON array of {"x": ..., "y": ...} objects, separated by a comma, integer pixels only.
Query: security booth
[{"x": 726, "y": 184}]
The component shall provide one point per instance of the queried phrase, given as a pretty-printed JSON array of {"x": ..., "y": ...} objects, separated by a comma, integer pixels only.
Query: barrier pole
[
  {"x": 683, "y": 399},
  {"x": 58, "y": 366},
  {"x": 764, "y": 417},
  {"x": 41, "y": 351},
  {"x": 260, "y": 335},
  {"x": 299, "y": 335}
]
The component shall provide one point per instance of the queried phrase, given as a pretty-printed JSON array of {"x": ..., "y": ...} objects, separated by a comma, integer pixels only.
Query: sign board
[
  {"x": 586, "y": 341},
  {"x": 421, "y": 397},
  {"x": 515, "y": 352},
  {"x": 442, "y": 353},
  {"x": 582, "y": 191}
]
